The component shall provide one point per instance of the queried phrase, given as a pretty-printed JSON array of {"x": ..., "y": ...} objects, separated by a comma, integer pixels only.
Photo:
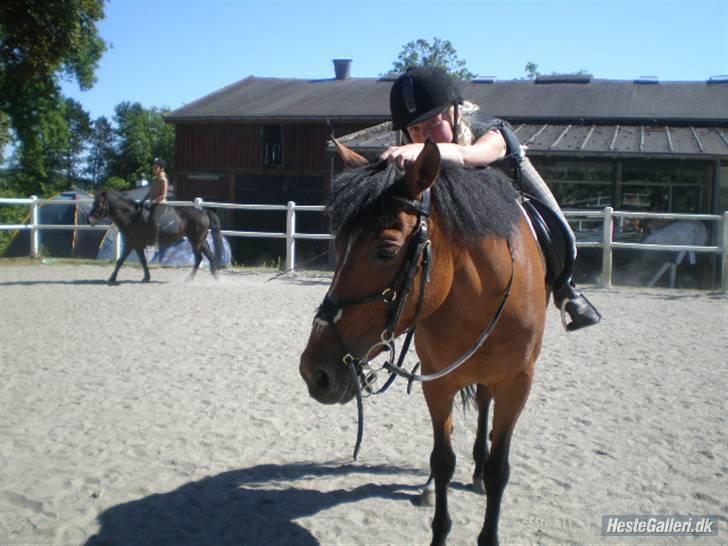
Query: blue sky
[{"x": 169, "y": 53}]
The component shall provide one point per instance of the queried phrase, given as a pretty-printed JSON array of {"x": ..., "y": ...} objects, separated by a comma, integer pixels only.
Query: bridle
[
  {"x": 394, "y": 297},
  {"x": 362, "y": 373}
]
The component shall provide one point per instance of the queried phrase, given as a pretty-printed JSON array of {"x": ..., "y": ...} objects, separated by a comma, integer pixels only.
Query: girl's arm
[{"x": 488, "y": 148}]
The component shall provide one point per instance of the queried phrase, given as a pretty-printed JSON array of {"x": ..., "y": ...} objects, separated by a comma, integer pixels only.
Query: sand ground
[{"x": 173, "y": 413}]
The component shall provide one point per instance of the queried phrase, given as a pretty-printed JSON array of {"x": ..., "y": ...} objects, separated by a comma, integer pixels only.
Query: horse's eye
[{"x": 387, "y": 252}]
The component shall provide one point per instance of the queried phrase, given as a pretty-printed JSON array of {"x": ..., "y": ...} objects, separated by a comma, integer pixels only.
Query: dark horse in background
[
  {"x": 177, "y": 222},
  {"x": 477, "y": 297}
]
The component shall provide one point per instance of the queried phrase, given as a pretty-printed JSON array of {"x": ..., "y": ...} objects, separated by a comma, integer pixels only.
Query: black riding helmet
[{"x": 421, "y": 93}]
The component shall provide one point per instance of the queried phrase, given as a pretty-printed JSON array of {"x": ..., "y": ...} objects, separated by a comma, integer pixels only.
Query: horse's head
[
  {"x": 381, "y": 229},
  {"x": 100, "y": 208}
]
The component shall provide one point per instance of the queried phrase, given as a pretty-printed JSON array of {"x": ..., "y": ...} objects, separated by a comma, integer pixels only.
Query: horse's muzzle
[{"x": 327, "y": 384}]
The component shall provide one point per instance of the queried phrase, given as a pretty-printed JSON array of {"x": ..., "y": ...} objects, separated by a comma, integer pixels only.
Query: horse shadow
[
  {"x": 79, "y": 282},
  {"x": 247, "y": 506}
]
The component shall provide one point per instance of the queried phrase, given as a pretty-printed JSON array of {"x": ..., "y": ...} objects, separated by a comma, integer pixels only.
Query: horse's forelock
[{"x": 356, "y": 190}]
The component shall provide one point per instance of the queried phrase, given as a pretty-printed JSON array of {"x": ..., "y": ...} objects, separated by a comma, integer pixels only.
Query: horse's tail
[{"x": 218, "y": 243}]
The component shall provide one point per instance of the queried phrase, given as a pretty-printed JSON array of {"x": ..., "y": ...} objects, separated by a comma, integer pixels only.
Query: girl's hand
[{"x": 401, "y": 155}]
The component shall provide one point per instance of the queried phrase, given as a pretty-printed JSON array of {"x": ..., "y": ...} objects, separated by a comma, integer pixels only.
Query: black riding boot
[
  {"x": 573, "y": 303},
  {"x": 155, "y": 218}
]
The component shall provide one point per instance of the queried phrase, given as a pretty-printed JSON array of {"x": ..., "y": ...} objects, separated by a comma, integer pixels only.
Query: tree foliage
[
  {"x": 440, "y": 53},
  {"x": 100, "y": 151},
  {"x": 532, "y": 71},
  {"x": 142, "y": 134},
  {"x": 41, "y": 42}
]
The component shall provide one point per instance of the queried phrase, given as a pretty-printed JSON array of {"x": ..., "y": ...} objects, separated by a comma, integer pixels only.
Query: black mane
[{"x": 471, "y": 202}]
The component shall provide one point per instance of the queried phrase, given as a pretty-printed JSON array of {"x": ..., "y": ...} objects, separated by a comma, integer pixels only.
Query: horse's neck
[
  {"x": 467, "y": 278},
  {"x": 122, "y": 211}
]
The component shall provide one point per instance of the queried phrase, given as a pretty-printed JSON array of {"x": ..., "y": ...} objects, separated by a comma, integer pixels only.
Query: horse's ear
[
  {"x": 349, "y": 156},
  {"x": 423, "y": 172}
]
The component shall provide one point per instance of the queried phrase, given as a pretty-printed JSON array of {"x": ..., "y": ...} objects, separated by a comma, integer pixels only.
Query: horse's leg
[
  {"x": 509, "y": 398},
  {"x": 480, "y": 448},
  {"x": 205, "y": 249},
  {"x": 198, "y": 261},
  {"x": 124, "y": 255},
  {"x": 442, "y": 459},
  {"x": 143, "y": 260}
]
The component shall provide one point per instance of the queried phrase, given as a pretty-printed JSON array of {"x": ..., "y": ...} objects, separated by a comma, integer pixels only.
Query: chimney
[{"x": 342, "y": 68}]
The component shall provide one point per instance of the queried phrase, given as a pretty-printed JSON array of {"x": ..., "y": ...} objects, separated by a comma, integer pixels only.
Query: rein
[{"x": 362, "y": 373}]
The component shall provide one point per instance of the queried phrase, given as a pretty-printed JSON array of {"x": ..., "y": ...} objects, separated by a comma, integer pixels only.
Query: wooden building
[{"x": 639, "y": 144}]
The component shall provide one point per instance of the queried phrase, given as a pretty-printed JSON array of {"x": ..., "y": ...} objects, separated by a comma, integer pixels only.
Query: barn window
[{"x": 272, "y": 146}]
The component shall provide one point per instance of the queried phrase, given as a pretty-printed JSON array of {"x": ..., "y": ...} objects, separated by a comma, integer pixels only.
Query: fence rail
[{"x": 606, "y": 215}]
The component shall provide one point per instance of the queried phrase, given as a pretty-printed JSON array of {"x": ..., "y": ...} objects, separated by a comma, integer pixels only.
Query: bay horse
[
  {"x": 177, "y": 222},
  {"x": 446, "y": 250}
]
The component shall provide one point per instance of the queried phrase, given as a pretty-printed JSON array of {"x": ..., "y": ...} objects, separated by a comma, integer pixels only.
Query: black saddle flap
[
  {"x": 552, "y": 236},
  {"x": 169, "y": 223}
]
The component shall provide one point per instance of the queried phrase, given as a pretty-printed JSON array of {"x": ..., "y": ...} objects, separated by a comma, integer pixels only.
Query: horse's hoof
[
  {"x": 112, "y": 282},
  {"x": 425, "y": 499},
  {"x": 146, "y": 279},
  {"x": 479, "y": 486}
]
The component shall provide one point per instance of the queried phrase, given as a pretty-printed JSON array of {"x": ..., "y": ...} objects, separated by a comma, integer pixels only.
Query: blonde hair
[{"x": 463, "y": 132}]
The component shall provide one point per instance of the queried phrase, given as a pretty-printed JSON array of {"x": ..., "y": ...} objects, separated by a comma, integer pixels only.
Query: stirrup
[
  {"x": 563, "y": 313},
  {"x": 574, "y": 324}
]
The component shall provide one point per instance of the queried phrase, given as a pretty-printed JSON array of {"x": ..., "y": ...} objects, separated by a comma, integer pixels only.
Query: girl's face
[
  {"x": 439, "y": 128},
  {"x": 156, "y": 169}
]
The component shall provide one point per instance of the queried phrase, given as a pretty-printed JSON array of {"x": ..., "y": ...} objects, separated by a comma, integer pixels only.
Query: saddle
[
  {"x": 553, "y": 236},
  {"x": 169, "y": 222}
]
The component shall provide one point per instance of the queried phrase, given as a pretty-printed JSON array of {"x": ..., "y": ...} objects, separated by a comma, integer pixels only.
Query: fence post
[
  {"x": 607, "y": 248},
  {"x": 198, "y": 202},
  {"x": 290, "y": 233},
  {"x": 34, "y": 233},
  {"x": 117, "y": 245},
  {"x": 724, "y": 269}
]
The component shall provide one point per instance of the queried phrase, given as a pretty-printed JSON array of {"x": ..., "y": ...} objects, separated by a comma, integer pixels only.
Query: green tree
[
  {"x": 141, "y": 135},
  {"x": 60, "y": 144},
  {"x": 42, "y": 41},
  {"x": 100, "y": 151},
  {"x": 78, "y": 131},
  {"x": 440, "y": 53},
  {"x": 6, "y": 136},
  {"x": 531, "y": 69}
]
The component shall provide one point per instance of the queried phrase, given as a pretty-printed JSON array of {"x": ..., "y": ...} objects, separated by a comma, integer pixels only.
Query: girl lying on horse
[{"x": 426, "y": 103}]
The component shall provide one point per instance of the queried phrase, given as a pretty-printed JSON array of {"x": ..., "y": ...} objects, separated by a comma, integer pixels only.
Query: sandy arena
[{"x": 173, "y": 413}]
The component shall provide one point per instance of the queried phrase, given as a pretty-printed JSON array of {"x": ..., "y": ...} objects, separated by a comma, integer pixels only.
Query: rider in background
[
  {"x": 157, "y": 194},
  {"x": 425, "y": 102}
]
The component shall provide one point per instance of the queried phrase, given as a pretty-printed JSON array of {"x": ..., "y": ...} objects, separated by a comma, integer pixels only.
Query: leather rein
[{"x": 363, "y": 375}]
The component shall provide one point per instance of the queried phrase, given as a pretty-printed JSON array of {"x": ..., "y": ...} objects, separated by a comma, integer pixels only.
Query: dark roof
[
  {"x": 587, "y": 140},
  {"x": 254, "y": 98},
  {"x": 548, "y": 100}
]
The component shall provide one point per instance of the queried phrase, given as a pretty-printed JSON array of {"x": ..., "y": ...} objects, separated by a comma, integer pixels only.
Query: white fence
[{"x": 607, "y": 216}]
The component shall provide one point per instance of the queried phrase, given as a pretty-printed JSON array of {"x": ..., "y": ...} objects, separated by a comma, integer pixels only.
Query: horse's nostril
[{"x": 320, "y": 381}]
